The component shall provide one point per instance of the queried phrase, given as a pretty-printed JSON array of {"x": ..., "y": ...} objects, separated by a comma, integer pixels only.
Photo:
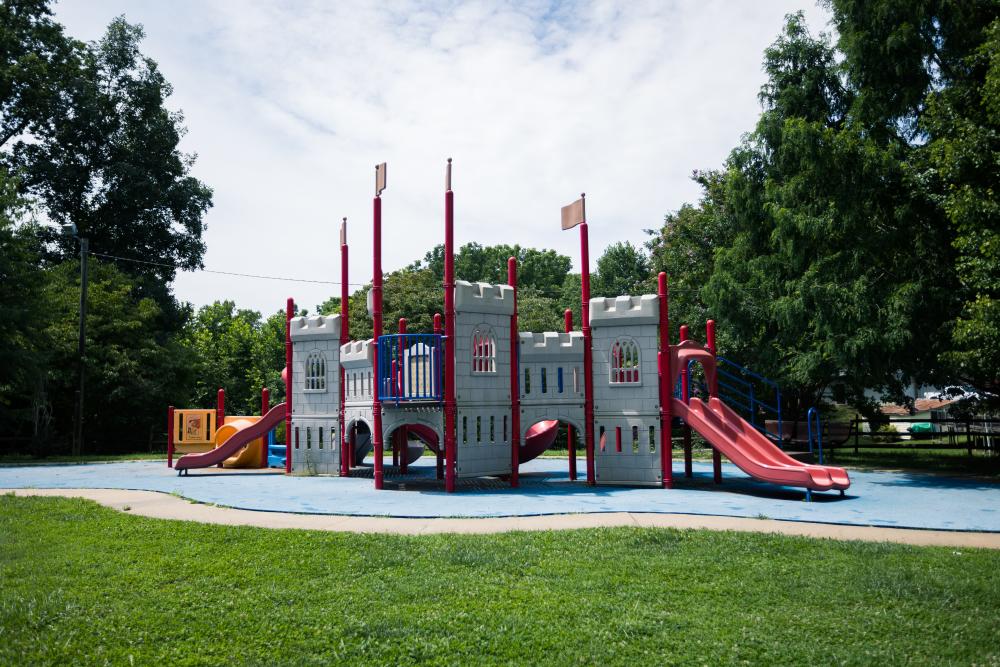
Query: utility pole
[
  {"x": 70, "y": 230},
  {"x": 82, "y": 347}
]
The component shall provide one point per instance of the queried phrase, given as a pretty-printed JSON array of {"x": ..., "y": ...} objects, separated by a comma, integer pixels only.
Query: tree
[
  {"x": 133, "y": 372},
  {"x": 545, "y": 270},
  {"x": 817, "y": 249},
  {"x": 36, "y": 63},
  {"x": 684, "y": 248},
  {"x": 106, "y": 158},
  {"x": 225, "y": 341},
  {"x": 930, "y": 71},
  {"x": 22, "y": 317},
  {"x": 621, "y": 269}
]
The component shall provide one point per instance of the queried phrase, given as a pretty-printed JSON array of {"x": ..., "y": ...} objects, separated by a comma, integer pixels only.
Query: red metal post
[
  {"x": 588, "y": 358},
  {"x": 289, "y": 314},
  {"x": 170, "y": 436},
  {"x": 666, "y": 387},
  {"x": 685, "y": 389},
  {"x": 265, "y": 405},
  {"x": 345, "y": 454},
  {"x": 220, "y": 412},
  {"x": 440, "y": 445},
  {"x": 377, "y": 321},
  {"x": 450, "y": 407},
  {"x": 713, "y": 392},
  {"x": 515, "y": 392},
  {"x": 403, "y": 439},
  {"x": 570, "y": 441}
]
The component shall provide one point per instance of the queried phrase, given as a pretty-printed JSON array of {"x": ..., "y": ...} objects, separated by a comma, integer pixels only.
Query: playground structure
[{"x": 485, "y": 397}]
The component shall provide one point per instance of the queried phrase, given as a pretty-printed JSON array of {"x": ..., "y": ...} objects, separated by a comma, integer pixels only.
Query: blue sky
[{"x": 289, "y": 105}]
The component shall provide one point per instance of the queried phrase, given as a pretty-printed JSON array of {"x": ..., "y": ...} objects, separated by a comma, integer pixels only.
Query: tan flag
[
  {"x": 380, "y": 170},
  {"x": 343, "y": 232},
  {"x": 574, "y": 214}
]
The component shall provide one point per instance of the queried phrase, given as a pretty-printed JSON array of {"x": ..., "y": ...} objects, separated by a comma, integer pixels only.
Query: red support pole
[
  {"x": 220, "y": 408},
  {"x": 265, "y": 405},
  {"x": 588, "y": 357},
  {"x": 345, "y": 453},
  {"x": 440, "y": 445},
  {"x": 170, "y": 436},
  {"x": 450, "y": 407},
  {"x": 220, "y": 412},
  {"x": 289, "y": 314},
  {"x": 403, "y": 439},
  {"x": 713, "y": 392},
  {"x": 515, "y": 391},
  {"x": 570, "y": 441},
  {"x": 377, "y": 321},
  {"x": 685, "y": 390},
  {"x": 666, "y": 387}
]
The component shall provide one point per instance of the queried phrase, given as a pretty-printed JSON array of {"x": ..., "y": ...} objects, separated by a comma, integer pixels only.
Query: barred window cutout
[
  {"x": 624, "y": 362},
  {"x": 315, "y": 371},
  {"x": 484, "y": 351}
]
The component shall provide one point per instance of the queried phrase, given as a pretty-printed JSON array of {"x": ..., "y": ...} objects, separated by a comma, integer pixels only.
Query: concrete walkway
[{"x": 163, "y": 506}]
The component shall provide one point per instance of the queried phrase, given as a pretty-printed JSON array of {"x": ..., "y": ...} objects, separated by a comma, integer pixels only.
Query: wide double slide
[
  {"x": 234, "y": 443},
  {"x": 751, "y": 451}
]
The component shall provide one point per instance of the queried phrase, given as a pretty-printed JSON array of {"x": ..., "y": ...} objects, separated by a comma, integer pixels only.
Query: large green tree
[
  {"x": 132, "y": 372},
  {"x": 24, "y": 353},
  {"x": 105, "y": 157},
  {"x": 819, "y": 249}
]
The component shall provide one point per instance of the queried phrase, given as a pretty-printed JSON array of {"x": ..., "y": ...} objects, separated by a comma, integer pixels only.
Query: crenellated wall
[
  {"x": 315, "y": 394},
  {"x": 482, "y": 378},
  {"x": 626, "y": 395}
]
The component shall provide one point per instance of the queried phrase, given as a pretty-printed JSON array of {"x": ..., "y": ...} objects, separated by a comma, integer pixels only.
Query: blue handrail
[
  {"x": 746, "y": 391},
  {"x": 810, "y": 415},
  {"x": 409, "y": 368}
]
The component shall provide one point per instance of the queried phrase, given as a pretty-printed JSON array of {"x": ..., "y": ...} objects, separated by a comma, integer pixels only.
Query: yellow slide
[{"x": 249, "y": 456}]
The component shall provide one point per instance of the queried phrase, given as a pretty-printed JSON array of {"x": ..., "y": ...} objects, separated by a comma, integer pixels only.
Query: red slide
[
  {"x": 236, "y": 441},
  {"x": 538, "y": 438},
  {"x": 749, "y": 449}
]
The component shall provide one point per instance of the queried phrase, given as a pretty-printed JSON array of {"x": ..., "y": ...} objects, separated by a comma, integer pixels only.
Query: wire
[{"x": 223, "y": 273}]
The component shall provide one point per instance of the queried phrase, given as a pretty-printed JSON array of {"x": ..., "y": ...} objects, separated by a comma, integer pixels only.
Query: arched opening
[
  {"x": 359, "y": 441},
  {"x": 408, "y": 442},
  {"x": 553, "y": 434}
]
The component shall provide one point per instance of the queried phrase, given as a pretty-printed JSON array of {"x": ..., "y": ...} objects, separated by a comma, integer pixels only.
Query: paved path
[
  {"x": 163, "y": 506},
  {"x": 884, "y": 499}
]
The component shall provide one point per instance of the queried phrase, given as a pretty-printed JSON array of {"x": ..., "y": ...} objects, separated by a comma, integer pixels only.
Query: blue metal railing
[
  {"x": 743, "y": 394},
  {"x": 409, "y": 368},
  {"x": 810, "y": 416}
]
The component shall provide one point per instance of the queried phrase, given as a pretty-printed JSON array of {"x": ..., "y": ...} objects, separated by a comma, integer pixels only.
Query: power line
[{"x": 223, "y": 273}]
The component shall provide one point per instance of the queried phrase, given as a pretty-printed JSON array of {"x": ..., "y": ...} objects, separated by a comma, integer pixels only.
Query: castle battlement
[
  {"x": 357, "y": 353},
  {"x": 551, "y": 346},
  {"x": 321, "y": 327},
  {"x": 624, "y": 311},
  {"x": 484, "y": 298}
]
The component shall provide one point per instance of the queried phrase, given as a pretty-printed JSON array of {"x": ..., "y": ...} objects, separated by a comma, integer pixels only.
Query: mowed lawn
[{"x": 83, "y": 584}]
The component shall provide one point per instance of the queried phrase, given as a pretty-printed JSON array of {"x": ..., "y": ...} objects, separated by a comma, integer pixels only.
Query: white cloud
[{"x": 290, "y": 105}]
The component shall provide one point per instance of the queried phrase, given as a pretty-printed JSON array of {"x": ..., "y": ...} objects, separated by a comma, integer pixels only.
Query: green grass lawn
[{"x": 83, "y": 584}]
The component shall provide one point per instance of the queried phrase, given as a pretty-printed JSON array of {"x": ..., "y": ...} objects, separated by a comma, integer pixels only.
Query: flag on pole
[
  {"x": 343, "y": 232},
  {"x": 574, "y": 214},
  {"x": 380, "y": 170}
]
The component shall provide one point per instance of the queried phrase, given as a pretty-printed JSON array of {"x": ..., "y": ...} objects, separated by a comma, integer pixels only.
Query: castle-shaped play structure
[{"x": 485, "y": 397}]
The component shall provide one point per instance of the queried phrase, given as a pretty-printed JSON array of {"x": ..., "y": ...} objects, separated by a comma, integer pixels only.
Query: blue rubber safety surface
[{"x": 891, "y": 499}]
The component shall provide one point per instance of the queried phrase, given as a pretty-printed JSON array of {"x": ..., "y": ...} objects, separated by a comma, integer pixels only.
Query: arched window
[
  {"x": 484, "y": 351},
  {"x": 316, "y": 371},
  {"x": 624, "y": 362}
]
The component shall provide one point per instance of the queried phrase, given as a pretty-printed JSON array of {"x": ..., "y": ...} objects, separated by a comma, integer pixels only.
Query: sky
[{"x": 289, "y": 105}]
